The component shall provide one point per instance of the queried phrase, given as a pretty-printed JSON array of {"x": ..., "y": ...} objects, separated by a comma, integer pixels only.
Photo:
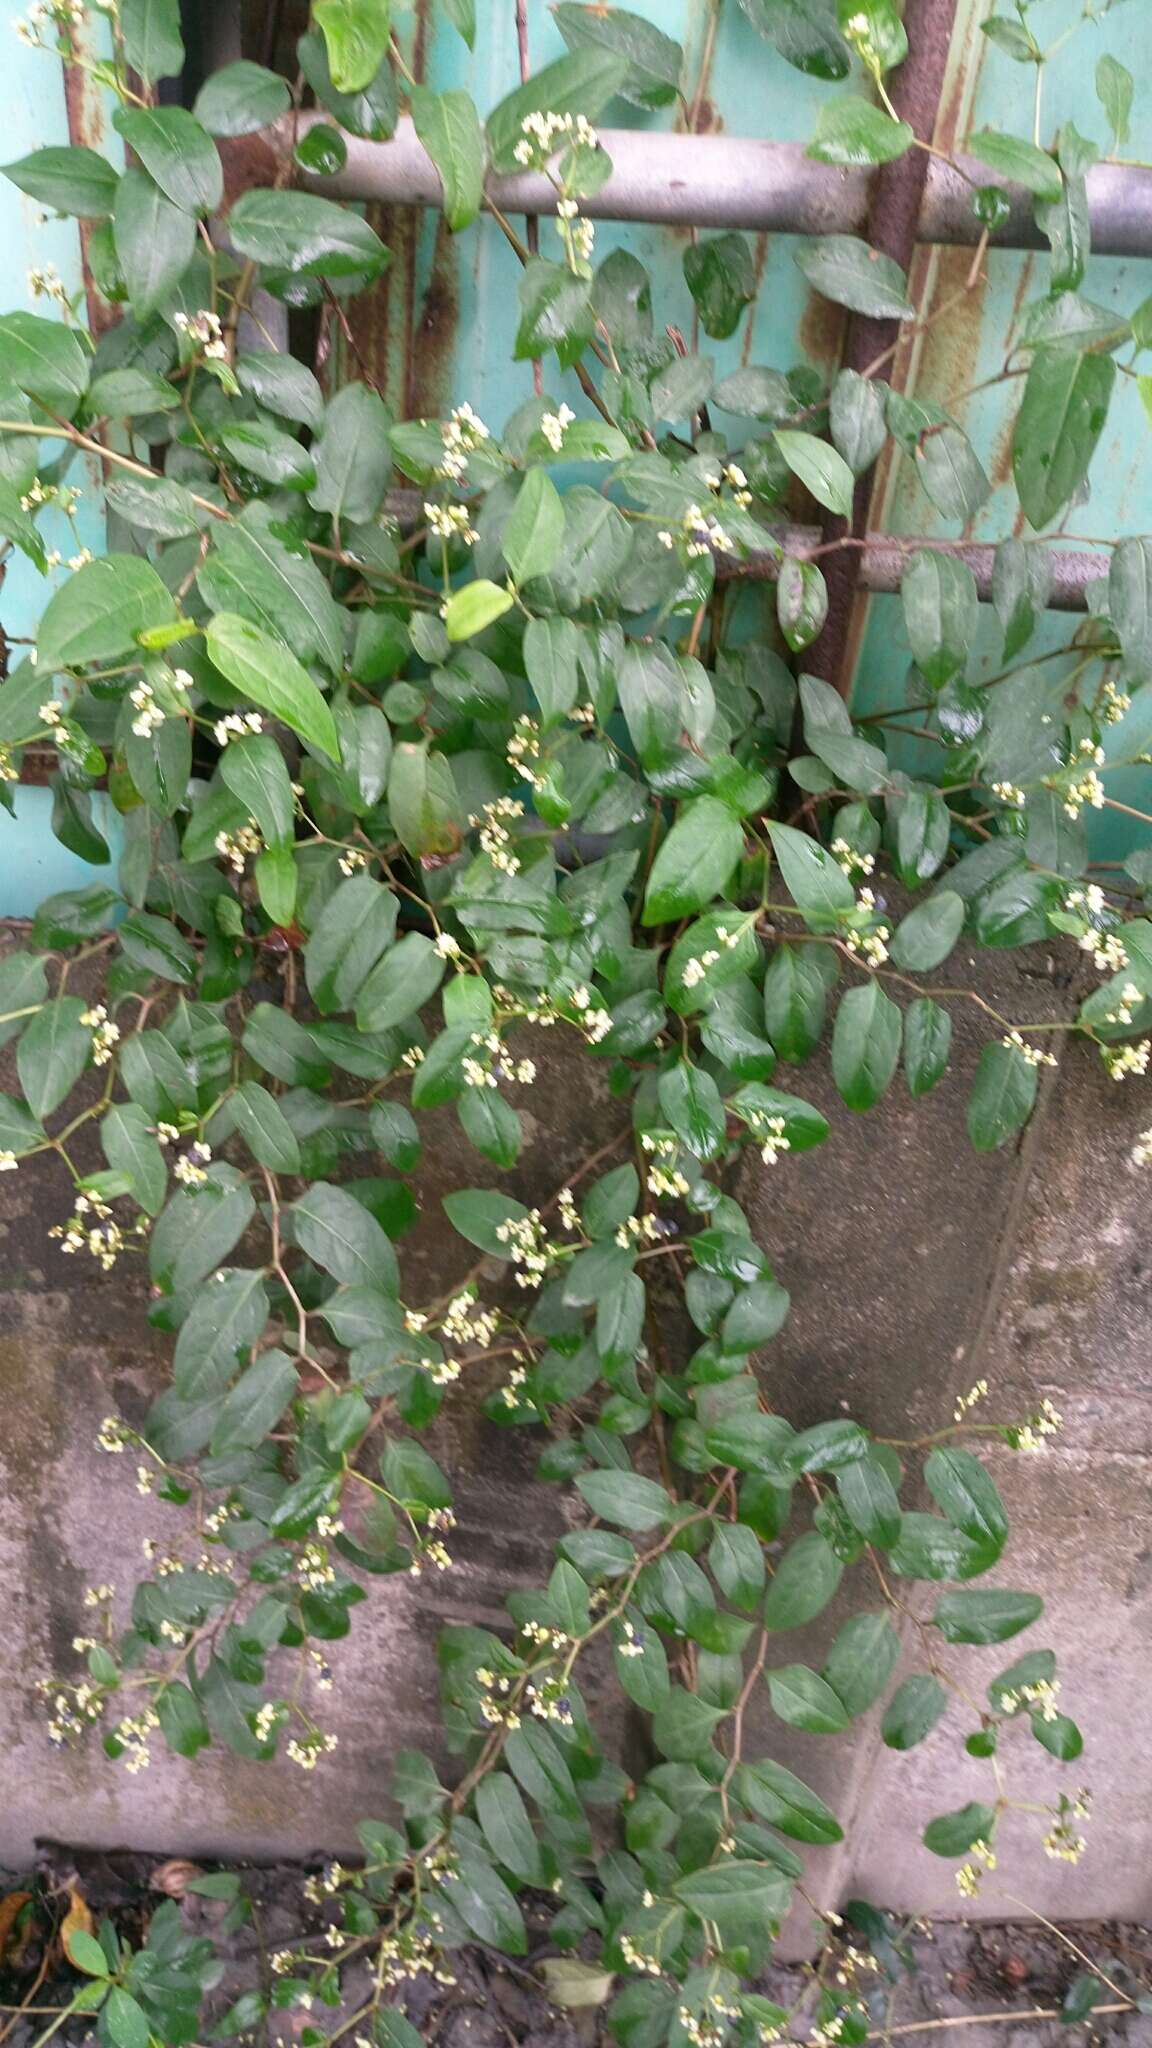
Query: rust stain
[
  {"x": 431, "y": 341},
  {"x": 248, "y": 160},
  {"x": 821, "y": 335},
  {"x": 85, "y": 116},
  {"x": 419, "y": 58}
]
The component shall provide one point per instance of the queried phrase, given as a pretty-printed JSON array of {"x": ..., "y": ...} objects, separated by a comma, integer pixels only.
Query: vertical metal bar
[{"x": 897, "y": 198}]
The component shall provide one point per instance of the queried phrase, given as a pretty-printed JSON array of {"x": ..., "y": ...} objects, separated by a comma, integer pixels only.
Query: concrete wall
[{"x": 916, "y": 1267}]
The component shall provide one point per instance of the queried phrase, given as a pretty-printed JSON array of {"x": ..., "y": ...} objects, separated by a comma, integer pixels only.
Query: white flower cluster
[
  {"x": 577, "y": 234},
  {"x": 541, "y": 135},
  {"x": 554, "y": 426},
  {"x": 205, "y": 330},
  {"x": 694, "y": 970},
  {"x": 1063, "y": 1841},
  {"x": 1141, "y": 1154},
  {"x": 237, "y": 847},
  {"x": 977, "y": 1393},
  {"x": 352, "y": 861},
  {"x": 639, "y": 1959},
  {"x": 149, "y": 714},
  {"x": 856, "y": 865},
  {"x": 1106, "y": 947},
  {"x": 549, "y": 1702},
  {"x": 307, "y": 1750},
  {"x": 770, "y": 1132},
  {"x": 594, "y": 1021},
  {"x": 526, "y": 1241},
  {"x": 495, "y": 838},
  {"x": 636, "y": 1230},
  {"x": 1121, "y": 1060},
  {"x": 629, "y": 1646},
  {"x": 493, "y": 1709},
  {"x": 45, "y": 282},
  {"x": 9, "y": 772},
  {"x": 190, "y": 1168},
  {"x": 869, "y": 945},
  {"x": 524, "y": 749},
  {"x": 465, "y": 1323},
  {"x": 1010, "y": 793},
  {"x": 660, "y": 1178},
  {"x": 1032, "y": 1054},
  {"x": 237, "y": 725},
  {"x": 1039, "y": 1698},
  {"x": 733, "y": 475},
  {"x": 1079, "y": 784},
  {"x": 451, "y": 522},
  {"x": 697, "y": 534},
  {"x": 461, "y": 434},
  {"x": 1033, "y": 1435},
  {"x": 1113, "y": 703}
]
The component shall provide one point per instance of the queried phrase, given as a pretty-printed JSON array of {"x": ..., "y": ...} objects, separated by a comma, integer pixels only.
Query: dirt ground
[{"x": 985, "y": 1983}]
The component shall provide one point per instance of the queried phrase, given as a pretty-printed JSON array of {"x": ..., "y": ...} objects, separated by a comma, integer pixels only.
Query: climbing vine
[{"x": 442, "y": 750}]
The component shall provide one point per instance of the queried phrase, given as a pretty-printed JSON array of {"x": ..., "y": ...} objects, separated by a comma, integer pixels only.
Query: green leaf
[
  {"x": 371, "y": 113},
  {"x": 721, "y": 277},
  {"x": 67, "y": 180},
  {"x": 253, "y": 768},
  {"x": 758, "y": 1314},
  {"x": 801, "y": 601},
  {"x": 256, "y": 1403},
  {"x": 100, "y": 612},
  {"x": 985, "y": 1615},
  {"x": 1018, "y": 161},
  {"x": 552, "y": 650},
  {"x": 581, "y": 83},
  {"x": 131, "y": 1147},
  {"x": 1059, "y": 1736},
  {"x": 356, "y": 35},
  {"x": 155, "y": 241},
  {"x": 736, "y": 1560},
  {"x": 1011, "y": 37},
  {"x": 474, "y": 607},
  {"x": 690, "y": 1100},
  {"x": 682, "y": 1724},
  {"x": 240, "y": 98},
  {"x": 276, "y": 881},
  {"x": 555, "y": 312},
  {"x": 485, "y": 1904},
  {"x": 653, "y": 59},
  {"x": 44, "y": 359},
  {"x": 422, "y": 800},
  {"x": 820, "y": 469},
  {"x": 85, "y": 1952},
  {"x": 862, "y": 1659},
  {"x": 178, "y": 154},
  {"x": 941, "y": 613},
  {"x": 353, "y": 456},
  {"x": 1066, "y": 398},
  {"x": 913, "y": 1711},
  {"x": 491, "y": 1125},
  {"x": 341, "y": 1236},
  {"x": 1115, "y": 86},
  {"x": 787, "y": 1803},
  {"x": 796, "y": 989},
  {"x": 806, "y": 1577},
  {"x": 739, "y": 1898},
  {"x": 265, "y": 1129},
  {"x": 305, "y": 236},
  {"x": 625, "y": 1498},
  {"x": 695, "y": 861},
  {"x": 804, "y": 32},
  {"x": 449, "y": 127},
  {"x": 356, "y": 926},
  {"x": 534, "y": 533},
  {"x": 479, "y": 1215},
  {"x": 181, "y": 1723},
  {"x": 927, "y": 1043},
  {"x": 1003, "y": 1096},
  {"x": 967, "y": 1494},
  {"x": 219, "y": 1329},
  {"x": 856, "y": 418},
  {"x": 853, "y": 132},
  {"x": 509, "y": 1833},
  {"x": 928, "y": 933},
  {"x": 952, "y": 1834},
  {"x": 269, "y": 454},
  {"x": 818, "y": 885},
  {"x": 270, "y": 675},
  {"x": 804, "y": 1700},
  {"x": 1130, "y": 605},
  {"x": 151, "y": 32},
  {"x": 53, "y": 1053},
  {"x": 845, "y": 270},
  {"x": 251, "y": 572}
]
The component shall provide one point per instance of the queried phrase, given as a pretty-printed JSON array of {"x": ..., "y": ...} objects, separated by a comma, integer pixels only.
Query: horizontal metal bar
[
  {"x": 729, "y": 181},
  {"x": 884, "y": 558}
]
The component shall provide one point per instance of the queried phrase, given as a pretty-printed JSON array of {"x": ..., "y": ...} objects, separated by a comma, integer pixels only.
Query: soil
[{"x": 986, "y": 1981}]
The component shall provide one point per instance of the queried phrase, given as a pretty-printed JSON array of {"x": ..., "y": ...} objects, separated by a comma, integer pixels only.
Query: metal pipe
[
  {"x": 884, "y": 558},
  {"x": 727, "y": 181}
]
